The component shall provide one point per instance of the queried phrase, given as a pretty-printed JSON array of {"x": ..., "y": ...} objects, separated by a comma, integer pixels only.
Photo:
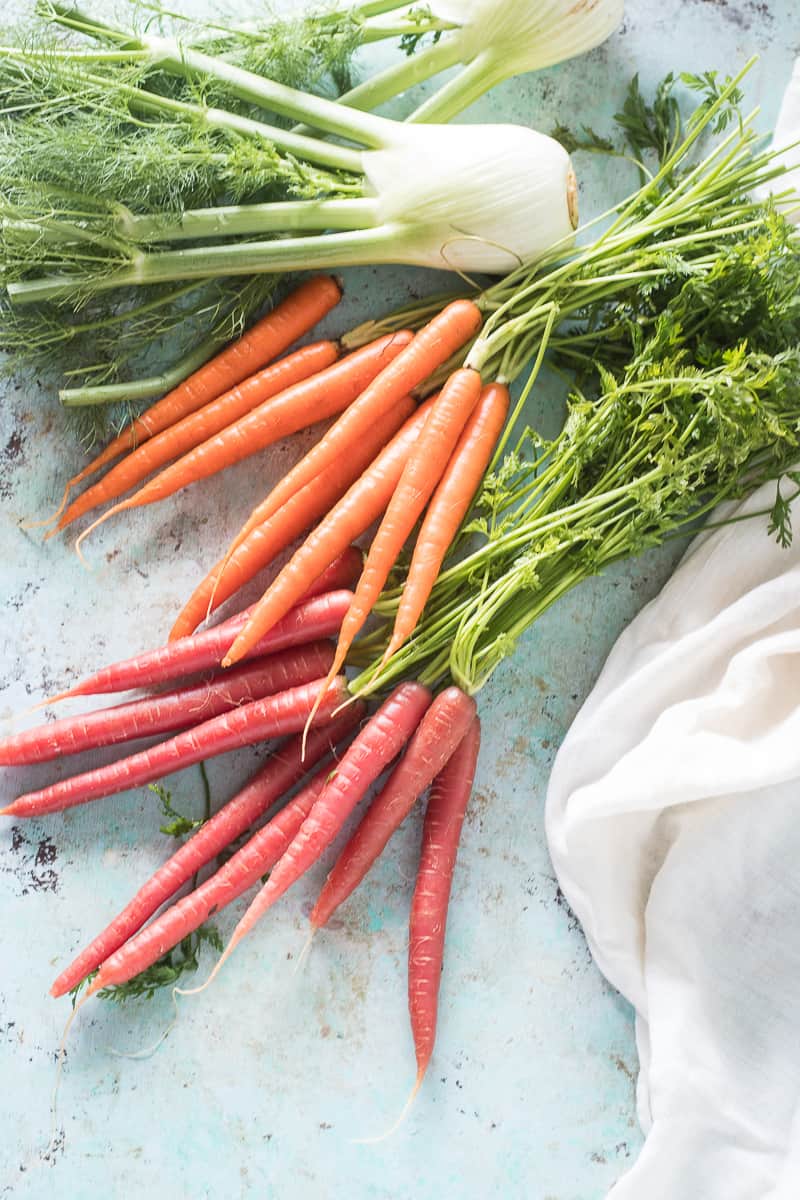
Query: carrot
[
  {"x": 441, "y": 831},
  {"x": 422, "y": 472},
  {"x": 380, "y": 741},
  {"x": 312, "y": 400},
  {"x": 431, "y": 347},
  {"x": 447, "y": 508},
  {"x": 352, "y": 516},
  {"x": 271, "y": 717},
  {"x": 269, "y": 337},
  {"x": 436, "y": 738},
  {"x": 198, "y": 426},
  {"x": 296, "y": 516},
  {"x": 166, "y": 711},
  {"x": 239, "y": 873},
  {"x": 282, "y": 771},
  {"x": 340, "y": 575},
  {"x": 316, "y": 618}
]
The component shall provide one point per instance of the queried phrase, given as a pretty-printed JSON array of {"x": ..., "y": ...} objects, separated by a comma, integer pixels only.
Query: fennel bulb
[{"x": 473, "y": 197}]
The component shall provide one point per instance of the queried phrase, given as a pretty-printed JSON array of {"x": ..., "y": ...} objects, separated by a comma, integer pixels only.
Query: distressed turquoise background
[{"x": 266, "y": 1079}]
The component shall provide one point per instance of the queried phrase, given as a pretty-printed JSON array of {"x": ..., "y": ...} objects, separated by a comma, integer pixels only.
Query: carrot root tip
[
  {"x": 304, "y": 953},
  {"x": 372, "y": 1141}
]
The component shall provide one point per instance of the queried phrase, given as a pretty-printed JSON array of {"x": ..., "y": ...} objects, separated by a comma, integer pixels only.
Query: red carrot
[
  {"x": 380, "y": 741},
  {"x": 239, "y": 873},
  {"x": 282, "y": 771},
  {"x": 315, "y": 618},
  {"x": 441, "y": 831},
  {"x": 272, "y": 717},
  {"x": 439, "y": 732},
  {"x": 167, "y": 711}
]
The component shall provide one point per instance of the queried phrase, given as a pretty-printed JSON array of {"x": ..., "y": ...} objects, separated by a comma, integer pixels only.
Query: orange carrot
[
  {"x": 431, "y": 347},
  {"x": 352, "y": 516},
  {"x": 422, "y": 472},
  {"x": 269, "y": 337},
  {"x": 199, "y": 426},
  {"x": 297, "y": 515},
  {"x": 447, "y": 508},
  {"x": 313, "y": 400}
]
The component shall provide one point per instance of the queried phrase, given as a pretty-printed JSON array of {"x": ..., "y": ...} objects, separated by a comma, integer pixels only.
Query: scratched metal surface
[{"x": 265, "y": 1080}]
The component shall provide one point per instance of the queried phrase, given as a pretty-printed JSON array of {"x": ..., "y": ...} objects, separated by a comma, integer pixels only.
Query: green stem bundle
[{"x": 686, "y": 317}]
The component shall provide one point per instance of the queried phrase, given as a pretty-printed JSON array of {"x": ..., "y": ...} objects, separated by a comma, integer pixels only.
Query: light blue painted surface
[{"x": 265, "y": 1080}]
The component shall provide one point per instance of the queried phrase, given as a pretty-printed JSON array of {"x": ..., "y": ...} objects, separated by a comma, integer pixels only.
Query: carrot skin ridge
[
  {"x": 438, "y": 734},
  {"x": 166, "y": 711},
  {"x": 374, "y": 747},
  {"x": 423, "y": 469},
  {"x": 323, "y": 395},
  {"x": 448, "y": 506},
  {"x": 432, "y": 345},
  {"x": 347, "y": 520},
  {"x": 260, "y": 720},
  {"x": 441, "y": 832},
  {"x": 197, "y": 427},
  {"x": 315, "y": 618},
  {"x": 283, "y": 769},
  {"x": 265, "y": 340},
  {"x": 241, "y": 872}
]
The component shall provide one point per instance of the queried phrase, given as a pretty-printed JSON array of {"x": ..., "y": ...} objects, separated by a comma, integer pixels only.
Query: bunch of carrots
[
  {"x": 269, "y": 698},
  {"x": 387, "y": 458}
]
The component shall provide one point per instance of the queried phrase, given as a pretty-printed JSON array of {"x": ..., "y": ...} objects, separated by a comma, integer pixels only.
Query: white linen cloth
[{"x": 673, "y": 819}]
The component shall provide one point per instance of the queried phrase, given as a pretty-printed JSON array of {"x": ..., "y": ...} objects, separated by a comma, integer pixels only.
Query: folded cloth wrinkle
[{"x": 673, "y": 819}]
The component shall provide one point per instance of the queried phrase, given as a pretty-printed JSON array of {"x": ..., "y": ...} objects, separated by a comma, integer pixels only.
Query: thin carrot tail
[
  {"x": 218, "y": 574},
  {"x": 396, "y": 642},
  {"x": 115, "y": 508},
  {"x": 304, "y": 953},
  {"x": 235, "y": 938},
  {"x": 60, "y": 1056},
  {"x": 372, "y": 1141},
  {"x": 48, "y": 700},
  {"x": 53, "y": 516},
  {"x": 336, "y": 666},
  {"x": 149, "y": 1051}
]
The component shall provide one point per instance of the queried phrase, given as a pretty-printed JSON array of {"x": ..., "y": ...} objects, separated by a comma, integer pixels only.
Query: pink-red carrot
[
  {"x": 297, "y": 515},
  {"x": 316, "y": 618},
  {"x": 431, "y": 347},
  {"x": 340, "y": 575},
  {"x": 324, "y": 394},
  {"x": 378, "y": 743},
  {"x": 258, "y": 721},
  {"x": 438, "y": 734},
  {"x": 347, "y": 520},
  {"x": 197, "y": 427},
  {"x": 448, "y": 506},
  {"x": 244, "y": 869},
  {"x": 167, "y": 711},
  {"x": 259, "y": 345},
  {"x": 423, "y": 470},
  {"x": 283, "y": 769},
  {"x": 441, "y": 832}
]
